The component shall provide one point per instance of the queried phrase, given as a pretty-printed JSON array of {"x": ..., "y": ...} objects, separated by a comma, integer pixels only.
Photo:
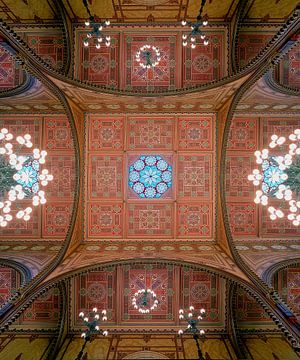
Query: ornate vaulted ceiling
[{"x": 195, "y": 120}]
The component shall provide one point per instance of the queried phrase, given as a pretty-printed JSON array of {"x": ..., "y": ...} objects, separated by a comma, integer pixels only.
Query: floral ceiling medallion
[
  {"x": 279, "y": 178},
  {"x": 21, "y": 177},
  {"x": 150, "y": 176},
  {"x": 148, "y": 56}
]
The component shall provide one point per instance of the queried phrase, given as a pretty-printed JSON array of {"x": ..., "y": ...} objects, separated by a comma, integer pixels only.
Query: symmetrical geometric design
[
  {"x": 95, "y": 289},
  {"x": 204, "y": 63},
  {"x": 203, "y": 290},
  {"x": 9, "y": 283},
  {"x": 57, "y": 133},
  {"x": 105, "y": 220},
  {"x": 56, "y": 219},
  {"x": 194, "y": 220},
  {"x": 150, "y": 133},
  {"x": 10, "y": 73},
  {"x": 250, "y": 45},
  {"x": 195, "y": 132},
  {"x": 243, "y": 219},
  {"x": 148, "y": 184},
  {"x": 287, "y": 283},
  {"x": 150, "y": 220},
  {"x": 49, "y": 47},
  {"x": 156, "y": 277},
  {"x": 243, "y": 134},
  {"x": 150, "y": 176}
]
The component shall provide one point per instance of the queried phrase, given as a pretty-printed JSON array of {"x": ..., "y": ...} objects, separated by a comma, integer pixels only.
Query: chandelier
[
  {"x": 142, "y": 300},
  {"x": 96, "y": 30},
  {"x": 92, "y": 328},
  {"x": 279, "y": 178},
  {"x": 148, "y": 56},
  {"x": 20, "y": 177},
  {"x": 193, "y": 319},
  {"x": 196, "y": 29}
]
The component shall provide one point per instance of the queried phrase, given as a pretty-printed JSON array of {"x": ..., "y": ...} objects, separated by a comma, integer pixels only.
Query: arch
[
  {"x": 269, "y": 273},
  {"x": 146, "y": 355},
  {"x": 23, "y": 270}
]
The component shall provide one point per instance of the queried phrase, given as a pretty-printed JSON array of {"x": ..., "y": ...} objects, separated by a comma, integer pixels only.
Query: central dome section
[{"x": 150, "y": 176}]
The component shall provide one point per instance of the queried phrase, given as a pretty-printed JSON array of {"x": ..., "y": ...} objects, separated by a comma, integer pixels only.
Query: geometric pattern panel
[
  {"x": 195, "y": 173},
  {"x": 150, "y": 220},
  {"x": 243, "y": 218},
  {"x": 150, "y": 134},
  {"x": 238, "y": 167},
  {"x": 280, "y": 127},
  {"x": 289, "y": 68},
  {"x": 57, "y": 133},
  {"x": 202, "y": 290},
  {"x": 204, "y": 63},
  {"x": 163, "y": 76},
  {"x": 10, "y": 71},
  {"x": 105, "y": 220},
  {"x": 248, "y": 310},
  {"x": 287, "y": 283},
  {"x": 250, "y": 45},
  {"x": 106, "y": 133},
  {"x": 44, "y": 311},
  {"x": 243, "y": 134},
  {"x": 194, "y": 220},
  {"x": 9, "y": 283},
  {"x": 157, "y": 277},
  {"x": 195, "y": 133},
  {"x": 99, "y": 66},
  {"x": 49, "y": 48},
  {"x": 106, "y": 180},
  {"x": 95, "y": 289},
  {"x": 56, "y": 219}
]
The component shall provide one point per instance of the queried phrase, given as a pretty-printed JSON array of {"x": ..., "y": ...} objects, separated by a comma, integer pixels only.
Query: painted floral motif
[{"x": 150, "y": 176}]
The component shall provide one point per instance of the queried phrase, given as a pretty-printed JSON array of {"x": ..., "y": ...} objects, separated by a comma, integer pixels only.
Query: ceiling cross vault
[{"x": 150, "y": 144}]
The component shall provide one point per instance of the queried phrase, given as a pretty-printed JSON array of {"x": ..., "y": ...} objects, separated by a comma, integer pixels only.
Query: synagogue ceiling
[{"x": 150, "y": 168}]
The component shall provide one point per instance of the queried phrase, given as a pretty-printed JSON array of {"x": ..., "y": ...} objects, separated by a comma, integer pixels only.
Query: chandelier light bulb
[
  {"x": 86, "y": 319},
  {"x": 202, "y": 332},
  {"x": 184, "y": 43},
  {"x": 83, "y": 335},
  {"x": 180, "y": 332},
  {"x": 87, "y": 22},
  {"x": 205, "y": 23},
  {"x": 183, "y": 22},
  {"x": 205, "y": 42},
  {"x": 105, "y": 333},
  {"x": 107, "y": 22},
  {"x": 97, "y": 317},
  {"x": 98, "y": 46},
  {"x": 97, "y": 328},
  {"x": 86, "y": 43}
]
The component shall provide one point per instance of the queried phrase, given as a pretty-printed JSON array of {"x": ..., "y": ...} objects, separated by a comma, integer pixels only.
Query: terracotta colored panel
[
  {"x": 99, "y": 66},
  {"x": 10, "y": 72},
  {"x": 195, "y": 133},
  {"x": 20, "y": 228},
  {"x": 161, "y": 77},
  {"x": 238, "y": 167},
  {"x": 157, "y": 277},
  {"x": 243, "y": 134},
  {"x": 95, "y": 289},
  {"x": 204, "y": 63},
  {"x": 290, "y": 68},
  {"x": 9, "y": 282},
  {"x": 106, "y": 176},
  {"x": 148, "y": 220},
  {"x": 248, "y": 310},
  {"x": 56, "y": 219},
  {"x": 243, "y": 218},
  {"x": 202, "y": 290},
  {"x": 49, "y": 48},
  {"x": 57, "y": 133},
  {"x": 105, "y": 220},
  {"x": 44, "y": 310},
  {"x": 62, "y": 167},
  {"x": 150, "y": 134},
  {"x": 250, "y": 45},
  {"x": 195, "y": 176},
  {"x": 195, "y": 220},
  {"x": 105, "y": 133},
  {"x": 280, "y": 127}
]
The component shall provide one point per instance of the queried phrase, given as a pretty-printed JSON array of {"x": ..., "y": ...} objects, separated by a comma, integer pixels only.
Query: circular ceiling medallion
[{"x": 202, "y": 63}]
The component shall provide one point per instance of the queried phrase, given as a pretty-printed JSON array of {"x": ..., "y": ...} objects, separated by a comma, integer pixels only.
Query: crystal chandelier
[
  {"x": 193, "y": 319},
  {"x": 96, "y": 32},
  {"x": 148, "y": 56},
  {"x": 196, "y": 32},
  {"x": 142, "y": 300},
  {"x": 279, "y": 178},
  {"x": 20, "y": 177}
]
